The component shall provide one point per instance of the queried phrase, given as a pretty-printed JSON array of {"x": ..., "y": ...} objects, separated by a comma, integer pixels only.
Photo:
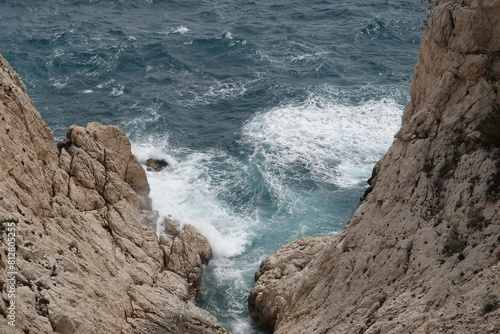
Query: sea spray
[
  {"x": 322, "y": 140},
  {"x": 186, "y": 191}
]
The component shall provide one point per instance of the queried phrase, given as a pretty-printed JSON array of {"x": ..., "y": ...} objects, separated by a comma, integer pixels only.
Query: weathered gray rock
[
  {"x": 421, "y": 253},
  {"x": 156, "y": 164},
  {"x": 189, "y": 253},
  {"x": 85, "y": 262},
  {"x": 185, "y": 252},
  {"x": 270, "y": 297}
]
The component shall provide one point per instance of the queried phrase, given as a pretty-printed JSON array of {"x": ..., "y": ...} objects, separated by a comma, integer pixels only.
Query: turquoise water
[{"x": 271, "y": 113}]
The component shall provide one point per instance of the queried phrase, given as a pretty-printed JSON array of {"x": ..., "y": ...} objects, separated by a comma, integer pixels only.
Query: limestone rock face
[
  {"x": 85, "y": 260},
  {"x": 421, "y": 253},
  {"x": 185, "y": 252},
  {"x": 269, "y": 298}
]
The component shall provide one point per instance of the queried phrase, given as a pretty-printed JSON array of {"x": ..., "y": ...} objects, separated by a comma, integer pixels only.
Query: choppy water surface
[{"x": 271, "y": 113}]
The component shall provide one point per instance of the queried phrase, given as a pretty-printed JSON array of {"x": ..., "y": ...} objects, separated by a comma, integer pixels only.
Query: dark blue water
[{"x": 272, "y": 113}]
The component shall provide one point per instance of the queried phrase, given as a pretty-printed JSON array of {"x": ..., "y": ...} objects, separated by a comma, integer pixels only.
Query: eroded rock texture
[
  {"x": 88, "y": 260},
  {"x": 421, "y": 253}
]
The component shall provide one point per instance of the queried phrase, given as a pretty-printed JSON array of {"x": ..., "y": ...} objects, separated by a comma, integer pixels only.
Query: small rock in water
[{"x": 156, "y": 165}]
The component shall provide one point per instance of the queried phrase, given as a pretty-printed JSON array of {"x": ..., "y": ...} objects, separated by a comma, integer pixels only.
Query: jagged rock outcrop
[
  {"x": 422, "y": 252},
  {"x": 185, "y": 251},
  {"x": 87, "y": 259}
]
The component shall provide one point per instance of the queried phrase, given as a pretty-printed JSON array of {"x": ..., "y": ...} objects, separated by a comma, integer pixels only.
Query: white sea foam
[
  {"x": 58, "y": 52},
  {"x": 223, "y": 91},
  {"x": 181, "y": 30},
  {"x": 117, "y": 91},
  {"x": 87, "y": 91},
  {"x": 307, "y": 57},
  {"x": 335, "y": 142},
  {"x": 233, "y": 41},
  {"x": 244, "y": 326},
  {"x": 186, "y": 191},
  {"x": 139, "y": 125},
  {"x": 217, "y": 90},
  {"x": 106, "y": 84},
  {"x": 59, "y": 84}
]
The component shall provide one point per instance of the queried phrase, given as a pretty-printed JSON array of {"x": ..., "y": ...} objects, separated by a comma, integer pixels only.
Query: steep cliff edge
[
  {"x": 422, "y": 252},
  {"x": 85, "y": 259}
]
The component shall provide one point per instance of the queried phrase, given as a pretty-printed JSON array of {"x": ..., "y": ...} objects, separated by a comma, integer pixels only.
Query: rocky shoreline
[
  {"x": 422, "y": 252},
  {"x": 85, "y": 255},
  {"x": 420, "y": 255}
]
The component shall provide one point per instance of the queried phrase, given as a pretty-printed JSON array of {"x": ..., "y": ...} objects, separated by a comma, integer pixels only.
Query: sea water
[{"x": 271, "y": 114}]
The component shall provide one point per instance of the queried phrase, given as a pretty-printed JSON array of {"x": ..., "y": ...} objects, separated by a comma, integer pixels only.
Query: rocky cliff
[
  {"x": 422, "y": 252},
  {"x": 78, "y": 251}
]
